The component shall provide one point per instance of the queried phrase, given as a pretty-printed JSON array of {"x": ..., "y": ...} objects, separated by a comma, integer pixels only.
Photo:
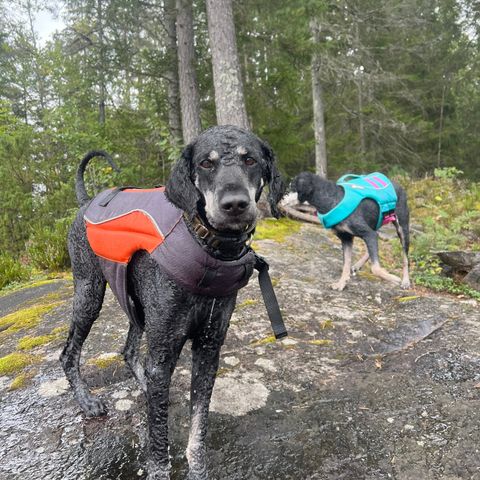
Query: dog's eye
[
  {"x": 250, "y": 161},
  {"x": 206, "y": 164}
]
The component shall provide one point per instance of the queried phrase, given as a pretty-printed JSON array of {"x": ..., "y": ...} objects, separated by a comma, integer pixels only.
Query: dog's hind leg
[
  {"x": 403, "y": 235},
  {"x": 87, "y": 303},
  {"x": 347, "y": 246},
  {"x": 205, "y": 358},
  {"x": 371, "y": 240},
  {"x": 360, "y": 263},
  {"x": 131, "y": 354}
]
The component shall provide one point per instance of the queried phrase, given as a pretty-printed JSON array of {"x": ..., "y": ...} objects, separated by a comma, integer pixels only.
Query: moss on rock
[
  {"x": 22, "y": 380},
  {"x": 15, "y": 362},
  {"x": 246, "y": 303},
  {"x": 277, "y": 230},
  {"x": 25, "y": 318},
  {"x": 105, "y": 360}
]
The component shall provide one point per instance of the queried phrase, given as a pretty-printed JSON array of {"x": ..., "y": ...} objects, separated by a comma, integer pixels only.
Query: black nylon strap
[
  {"x": 113, "y": 194},
  {"x": 270, "y": 298}
]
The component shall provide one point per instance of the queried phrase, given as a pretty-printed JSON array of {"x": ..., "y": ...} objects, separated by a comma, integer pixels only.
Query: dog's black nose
[{"x": 234, "y": 203}]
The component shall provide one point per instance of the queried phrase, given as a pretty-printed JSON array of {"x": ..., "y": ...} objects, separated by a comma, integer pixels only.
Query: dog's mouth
[{"x": 229, "y": 226}]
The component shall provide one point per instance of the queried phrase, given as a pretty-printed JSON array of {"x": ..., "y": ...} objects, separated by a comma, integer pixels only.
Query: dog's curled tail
[{"x": 80, "y": 190}]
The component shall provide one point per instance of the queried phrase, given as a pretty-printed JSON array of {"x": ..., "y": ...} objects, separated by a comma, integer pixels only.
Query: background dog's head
[
  {"x": 221, "y": 175},
  {"x": 303, "y": 185}
]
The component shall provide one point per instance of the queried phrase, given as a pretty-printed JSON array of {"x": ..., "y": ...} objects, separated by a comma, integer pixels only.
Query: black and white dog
[
  {"x": 217, "y": 181},
  {"x": 325, "y": 195}
]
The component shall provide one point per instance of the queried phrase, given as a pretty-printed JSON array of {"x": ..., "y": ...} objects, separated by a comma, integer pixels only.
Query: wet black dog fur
[
  {"x": 216, "y": 177},
  {"x": 324, "y": 195}
]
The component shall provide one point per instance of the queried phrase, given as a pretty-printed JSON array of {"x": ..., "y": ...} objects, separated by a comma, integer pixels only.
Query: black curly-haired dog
[
  {"x": 325, "y": 195},
  {"x": 218, "y": 179}
]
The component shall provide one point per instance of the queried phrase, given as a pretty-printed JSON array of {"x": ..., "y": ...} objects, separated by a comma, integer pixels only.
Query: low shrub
[
  {"x": 11, "y": 270},
  {"x": 47, "y": 246}
]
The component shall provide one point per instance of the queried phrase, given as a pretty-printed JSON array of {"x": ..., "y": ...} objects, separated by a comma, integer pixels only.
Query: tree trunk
[
  {"x": 40, "y": 81},
  {"x": 171, "y": 73},
  {"x": 189, "y": 96},
  {"x": 359, "y": 83},
  {"x": 101, "y": 65},
  {"x": 440, "y": 128},
  {"x": 318, "y": 111},
  {"x": 229, "y": 99}
]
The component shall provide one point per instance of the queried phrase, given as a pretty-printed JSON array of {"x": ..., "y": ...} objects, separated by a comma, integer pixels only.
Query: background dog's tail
[{"x": 80, "y": 190}]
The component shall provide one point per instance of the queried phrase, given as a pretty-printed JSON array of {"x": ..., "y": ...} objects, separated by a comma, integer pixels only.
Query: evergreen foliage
[{"x": 400, "y": 81}]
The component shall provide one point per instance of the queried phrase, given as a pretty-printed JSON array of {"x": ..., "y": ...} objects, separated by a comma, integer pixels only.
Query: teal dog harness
[{"x": 374, "y": 186}]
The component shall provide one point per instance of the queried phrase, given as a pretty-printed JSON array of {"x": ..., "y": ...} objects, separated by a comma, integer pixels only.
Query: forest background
[{"x": 399, "y": 85}]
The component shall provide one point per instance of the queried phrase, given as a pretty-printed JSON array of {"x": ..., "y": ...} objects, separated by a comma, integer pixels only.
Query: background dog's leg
[
  {"x": 359, "y": 265},
  {"x": 87, "y": 303},
  {"x": 371, "y": 240},
  {"x": 131, "y": 354},
  {"x": 205, "y": 356},
  {"x": 404, "y": 240},
  {"x": 163, "y": 351},
  {"x": 347, "y": 246}
]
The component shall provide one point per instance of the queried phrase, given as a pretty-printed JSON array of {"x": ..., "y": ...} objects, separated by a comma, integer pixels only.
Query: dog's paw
[
  {"x": 338, "y": 286},
  {"x": 197, "y": 475},
  {"x": 158, "y": 473},
  {"x": 405, "y": 285},
  {"x": 93, "y": 406}
]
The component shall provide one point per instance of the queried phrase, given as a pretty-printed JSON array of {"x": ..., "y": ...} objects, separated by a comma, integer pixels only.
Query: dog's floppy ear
[
  {"x": 272, "y": 176},
  {"x": 180, "y": 189}
]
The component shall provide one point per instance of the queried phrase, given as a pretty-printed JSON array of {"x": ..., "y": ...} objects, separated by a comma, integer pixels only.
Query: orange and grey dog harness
[{"x": 122, "y": 222}]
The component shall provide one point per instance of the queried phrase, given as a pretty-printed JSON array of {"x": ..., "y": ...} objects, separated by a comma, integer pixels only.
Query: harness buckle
[{"x": 202, "y": 231}]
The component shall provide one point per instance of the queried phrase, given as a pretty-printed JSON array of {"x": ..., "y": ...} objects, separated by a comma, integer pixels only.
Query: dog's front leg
[
  {"x": 163, "y": 352},
  {"x": 205, "y": 357},
  {"x": 347, "y": 246}
]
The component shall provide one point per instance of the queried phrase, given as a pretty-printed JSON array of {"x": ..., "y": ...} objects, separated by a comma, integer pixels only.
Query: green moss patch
[
  {"x": 407, "y": 299},
  {"x": 327, "y": 324},
  {"x": 27, "y": 343},
  {"x": 16, "y": 286},
  {"x": 277, "y": 230},
  {"x": 320, "y": 342},
  {"x": 15, "y": 362},
  {"x": 263, "y": 341},
  {"x": 25, "y": 318},
  {"x": 105, "y": 360},
  {"x": 22, "y": 380},
  {"x": 246, "y": 303}
]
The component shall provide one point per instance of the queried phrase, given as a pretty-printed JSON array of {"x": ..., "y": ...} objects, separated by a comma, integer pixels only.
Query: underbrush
[
  {"x": 45, "y": 253},
  {"x": 444, "y": 216},
  {"x": 11, "y": 270},
  {"x": 47, "y": 247}
]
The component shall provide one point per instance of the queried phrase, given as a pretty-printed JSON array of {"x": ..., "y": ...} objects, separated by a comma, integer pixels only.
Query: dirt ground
[{"x": 372, "y": 383}]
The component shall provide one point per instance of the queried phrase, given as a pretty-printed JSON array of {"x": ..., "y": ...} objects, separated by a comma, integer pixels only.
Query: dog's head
[
  {"x": 303, "y": 185},
  {"x": 221, "y": 175}
]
